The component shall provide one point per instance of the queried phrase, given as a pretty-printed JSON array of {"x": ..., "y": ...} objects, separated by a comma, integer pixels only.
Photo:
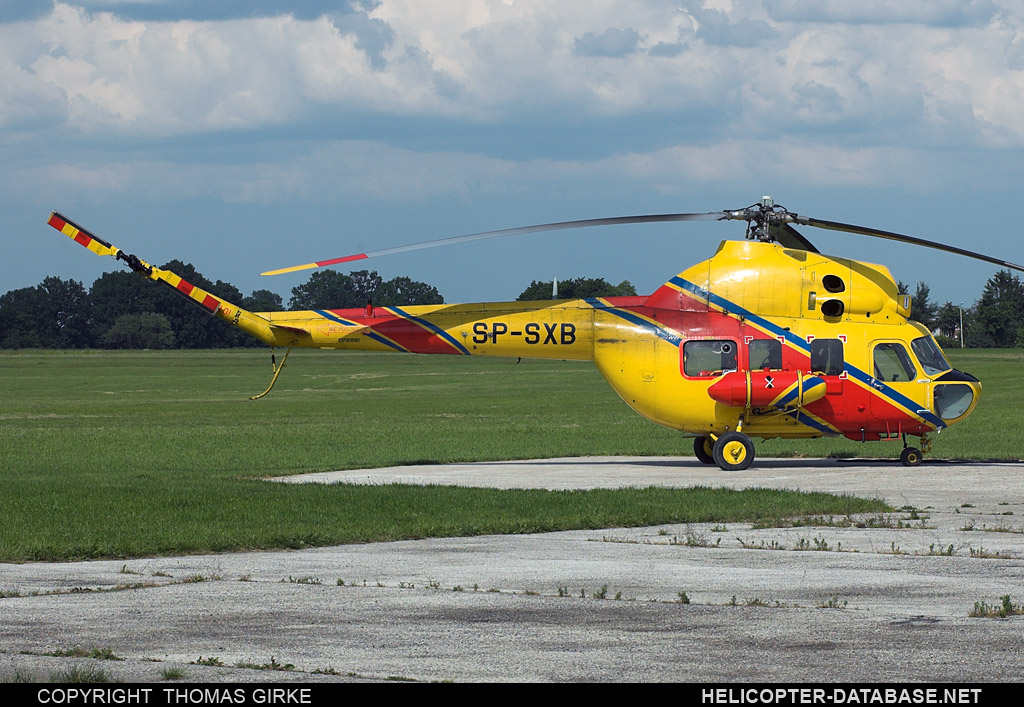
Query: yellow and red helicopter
[{"x": 767, "y": 338}]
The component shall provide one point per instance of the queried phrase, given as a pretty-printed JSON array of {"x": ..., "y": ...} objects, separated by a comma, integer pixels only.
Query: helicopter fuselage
[{"x": 759, "y": 338}]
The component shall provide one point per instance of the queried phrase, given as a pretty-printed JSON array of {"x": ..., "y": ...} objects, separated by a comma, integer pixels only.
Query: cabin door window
[
  {"x": 764, "y": 354},
  {"x": 827, "y": 357},
  {"x": 704, "y": 358}
]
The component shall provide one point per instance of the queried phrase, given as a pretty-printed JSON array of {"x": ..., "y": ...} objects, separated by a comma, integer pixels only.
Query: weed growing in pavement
[
  {"x": 833, "y": 603},
  {"x": 211, "y": 661},
  {"x": 272, "y": 665},
  {"x": 1004, "y": 608}
]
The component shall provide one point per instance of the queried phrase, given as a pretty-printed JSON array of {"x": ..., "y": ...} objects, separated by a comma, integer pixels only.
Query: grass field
[{"x": 118, "y": 454}]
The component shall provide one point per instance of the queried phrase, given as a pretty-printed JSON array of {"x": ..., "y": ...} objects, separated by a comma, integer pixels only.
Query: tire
[
  {"x": 734, "y": 451},
  {"x": 704, "y": 449},
  {"x": 910, "y": 457}
]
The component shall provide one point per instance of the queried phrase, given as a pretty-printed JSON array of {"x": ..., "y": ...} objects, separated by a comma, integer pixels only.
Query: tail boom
[{"x": 551, "y": 330}]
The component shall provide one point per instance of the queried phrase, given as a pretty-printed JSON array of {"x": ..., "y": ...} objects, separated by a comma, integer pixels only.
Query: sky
[{"x": 247, "y": 135}]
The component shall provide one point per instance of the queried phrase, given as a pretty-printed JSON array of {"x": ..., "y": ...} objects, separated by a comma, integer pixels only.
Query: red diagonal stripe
[
  {"x": 402, "y": 331},
  {"x": 346, "y": 259}
]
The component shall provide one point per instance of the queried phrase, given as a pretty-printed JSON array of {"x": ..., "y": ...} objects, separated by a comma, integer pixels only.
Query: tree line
[
  {"x": 996, "y": 320},
  {"x": 123, "y": 310}
]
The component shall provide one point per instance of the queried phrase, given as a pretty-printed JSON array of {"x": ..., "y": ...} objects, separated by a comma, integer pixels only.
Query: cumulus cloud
[
  {"x": 929, "y": 70},
  {"x": 613, "y": 42},
  {"x": 357, "y": 171},
  {"x": 325, "y": 171},
  {"x": 939, "y": 13},
  {"x": 717, "y": 27},
  {"x": 198, "y": 76},
  {"x": 912, "y": 75}
]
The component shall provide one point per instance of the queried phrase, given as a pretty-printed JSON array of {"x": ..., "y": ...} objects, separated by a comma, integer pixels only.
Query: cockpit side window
[
  {"x": 930, "y": 356},
  {"x": 892, "y": 363}
]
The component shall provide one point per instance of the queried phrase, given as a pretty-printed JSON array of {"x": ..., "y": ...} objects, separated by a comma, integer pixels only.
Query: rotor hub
[{"x": 764, "y": 219}]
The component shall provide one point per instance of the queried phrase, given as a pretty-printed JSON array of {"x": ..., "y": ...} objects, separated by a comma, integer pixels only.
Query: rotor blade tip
[{"x": 317, "y": 264}]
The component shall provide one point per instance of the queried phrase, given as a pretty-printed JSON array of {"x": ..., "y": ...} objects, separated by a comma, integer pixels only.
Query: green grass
[
  {"x": 123, "y": 454},
  {"x": 996, "y": 428}
]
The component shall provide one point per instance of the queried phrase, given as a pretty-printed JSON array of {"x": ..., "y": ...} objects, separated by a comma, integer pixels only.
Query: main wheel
[
  {"x": 910, "y": 457},
  {"x": 704, "y": 448},
  {"x": 734, "y": 451}
]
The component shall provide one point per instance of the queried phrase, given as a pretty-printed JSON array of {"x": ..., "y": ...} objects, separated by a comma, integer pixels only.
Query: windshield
[{"x": 930, "y": 355}]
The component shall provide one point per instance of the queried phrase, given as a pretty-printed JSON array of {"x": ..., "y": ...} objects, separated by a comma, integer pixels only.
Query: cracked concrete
[{"x": 880, "y": 597}]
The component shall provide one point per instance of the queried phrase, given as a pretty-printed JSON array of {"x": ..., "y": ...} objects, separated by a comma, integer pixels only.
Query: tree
[
  {"x": 577, "y": 288},
  {"x": 53, "y": 314},
  {"x": 329, "y": 289},
  {"x": 263, "y": 301},
  {"x": 923, "y": 309},
  {"x": 947, "y": 320},
  {"x": 117, "y": 293},
  {"x": 403, "y": 291},
  {"x": 139, "y": 331},
  {"x": 19, "y": 318},
  {"x": 193, "y": 326},
  {"x": 999, "y": 314}
]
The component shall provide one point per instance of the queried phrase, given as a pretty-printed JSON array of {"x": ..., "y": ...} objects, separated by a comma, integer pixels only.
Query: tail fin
[{"x": 248, "y": 322}]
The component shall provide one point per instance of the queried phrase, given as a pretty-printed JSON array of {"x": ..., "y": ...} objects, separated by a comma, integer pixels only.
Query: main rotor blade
[
  {"x": 791, "y": 238},
  {"x": 864, "y": 231},
  {"x": 558, "y": 226}
]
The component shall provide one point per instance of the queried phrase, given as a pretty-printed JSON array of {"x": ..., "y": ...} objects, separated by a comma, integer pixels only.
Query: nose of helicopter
[{"x": 955, "y": 395}]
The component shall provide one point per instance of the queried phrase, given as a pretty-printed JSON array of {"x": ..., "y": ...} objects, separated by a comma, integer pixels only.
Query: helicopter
[{"x": 768, "y": 338}]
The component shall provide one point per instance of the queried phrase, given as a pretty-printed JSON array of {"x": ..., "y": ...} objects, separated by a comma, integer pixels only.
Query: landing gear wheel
[
  {"x": 910, "y": 457},
  {"x": 734, "y": 451},
  {"x": 704, "y": 448}
]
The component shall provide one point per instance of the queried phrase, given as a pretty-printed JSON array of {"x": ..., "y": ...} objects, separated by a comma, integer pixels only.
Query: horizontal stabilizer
[{"x": 294, "y": 329}]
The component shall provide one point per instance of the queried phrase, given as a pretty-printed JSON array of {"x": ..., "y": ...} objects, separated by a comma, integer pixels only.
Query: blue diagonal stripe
[
  {"x": 432, "y": 327},
  {"x": 852, "y": 371},
  {"x": 661, "y": 332},
  {"x": 366, "y": 331}
]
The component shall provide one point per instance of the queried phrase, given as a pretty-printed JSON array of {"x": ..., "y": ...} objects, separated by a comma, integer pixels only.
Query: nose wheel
[
  {"x": 910, "y": 457},
  {"x": 733, "y": 451}
]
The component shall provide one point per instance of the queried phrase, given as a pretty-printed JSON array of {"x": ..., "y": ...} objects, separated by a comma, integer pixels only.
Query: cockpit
[{"x": 954, "y": 391}]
